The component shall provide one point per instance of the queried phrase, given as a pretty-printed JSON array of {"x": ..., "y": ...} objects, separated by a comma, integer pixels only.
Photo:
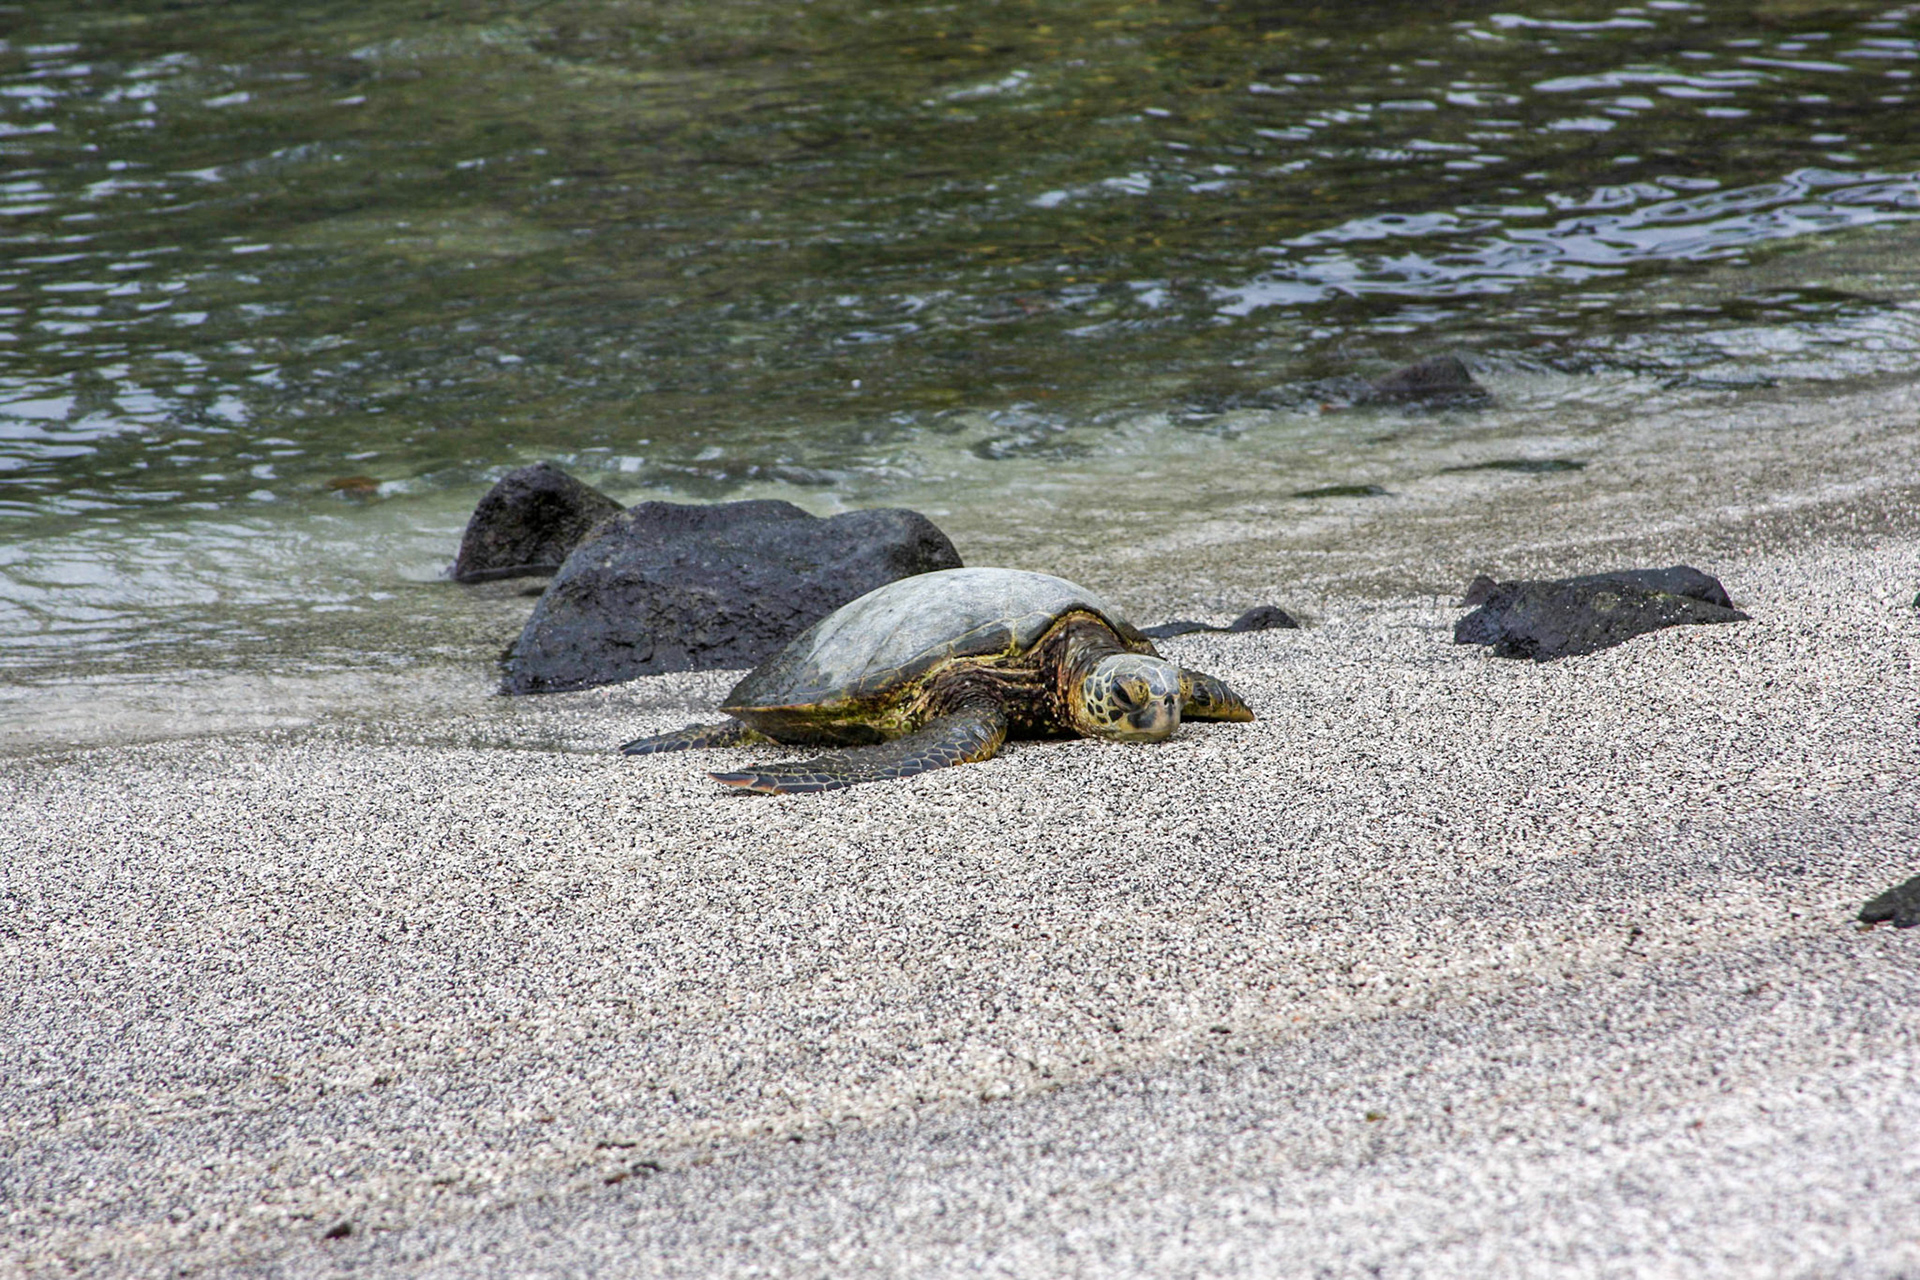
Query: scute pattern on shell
[{"x": 897, "y": 633}]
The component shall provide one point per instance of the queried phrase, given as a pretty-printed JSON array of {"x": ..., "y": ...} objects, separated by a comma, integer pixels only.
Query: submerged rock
[
  {"x": 672, "y": 587},
  {"x": 1559, "y": 618},
  {"x": 1438, "y": 381},
  {"x": 1262, "y": 617},
  {"x": 528, "y": 523},
  {"x": 354, "y": 486},
  {"x": 1900, "y": 904}
]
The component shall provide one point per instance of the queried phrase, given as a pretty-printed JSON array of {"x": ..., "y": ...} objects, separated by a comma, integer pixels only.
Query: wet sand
[{"x": 1447, "y": 965}]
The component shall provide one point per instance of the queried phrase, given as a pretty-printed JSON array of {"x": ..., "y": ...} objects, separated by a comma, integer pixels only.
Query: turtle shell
[{"x": 892, "y": 636}]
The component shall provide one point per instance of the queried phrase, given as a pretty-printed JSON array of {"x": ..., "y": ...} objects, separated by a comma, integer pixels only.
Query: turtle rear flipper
[
  {"x": 971, "y": 733},
  {"x": 728, "y": 733},
  {"x": 1205, "y": 697}
]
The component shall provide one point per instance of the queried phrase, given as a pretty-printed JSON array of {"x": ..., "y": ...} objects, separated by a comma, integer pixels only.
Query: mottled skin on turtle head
[{"x": 1128, "y": 697}]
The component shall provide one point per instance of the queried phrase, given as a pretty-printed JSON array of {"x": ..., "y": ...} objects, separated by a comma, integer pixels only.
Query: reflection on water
[{"x": 848, "y": 254}]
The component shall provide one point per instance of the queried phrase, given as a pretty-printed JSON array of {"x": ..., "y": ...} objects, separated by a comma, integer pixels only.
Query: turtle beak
[
  {"x": 1153, "y": 722},
  {"x": 1152, "y": 713}
]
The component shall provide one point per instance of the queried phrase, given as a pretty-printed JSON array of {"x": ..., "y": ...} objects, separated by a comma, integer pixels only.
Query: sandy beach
[{"x": 1447, "y": 965}]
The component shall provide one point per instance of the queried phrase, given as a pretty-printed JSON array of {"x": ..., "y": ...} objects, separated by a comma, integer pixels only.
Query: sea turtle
[{"x": 937, "y": 669}]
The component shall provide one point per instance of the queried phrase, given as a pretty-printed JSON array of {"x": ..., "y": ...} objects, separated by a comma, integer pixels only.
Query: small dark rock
[
  {"x": 339, "y": 1231},
  {"x": 1437, "y": 381},
  {"x": 1527, "y": 466},
  {"x": 642, "y": 1169},
  {"x": 671, "y": 587},
  {"x": 528, "y": 523},
  {"x": 1263, "y": 617},
  {"x": 1560, "y": 618},
  {"x": 1900, "y": 904},
  {"x": 1344, "y": 491}
]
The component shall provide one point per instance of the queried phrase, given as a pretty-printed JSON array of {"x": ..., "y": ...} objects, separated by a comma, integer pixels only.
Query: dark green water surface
[{"x": 958, "y": 256}]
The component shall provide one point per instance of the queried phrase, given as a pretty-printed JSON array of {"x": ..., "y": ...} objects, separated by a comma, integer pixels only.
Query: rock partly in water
[
  {"x": 1567, "y": 616},
  {"x": 671, "y": 587},
  {"x": 1900, "y": 904},
  {"x": 1263, "y": 617},
  {"x": 1436, "y": 382},
  {"x": 528, "y": 523}
]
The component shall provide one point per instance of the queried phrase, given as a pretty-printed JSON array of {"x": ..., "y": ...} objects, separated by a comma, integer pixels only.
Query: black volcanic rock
[
  {"x": 1556, "y": 619},
  {"x": 1900, "y": 904},
  {"x": 528, "y": 523},
  {"x": 670, "y": 587}
]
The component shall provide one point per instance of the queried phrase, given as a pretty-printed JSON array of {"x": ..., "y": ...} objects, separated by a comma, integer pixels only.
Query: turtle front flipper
[
  {"x": 1205, "y": 697},
  {"x": 961, "y": 737},
  {"x": 728, "y": 733}
]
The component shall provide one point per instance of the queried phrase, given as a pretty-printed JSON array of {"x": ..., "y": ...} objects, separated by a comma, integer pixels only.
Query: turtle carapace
[{"x": 939, "y": 669}]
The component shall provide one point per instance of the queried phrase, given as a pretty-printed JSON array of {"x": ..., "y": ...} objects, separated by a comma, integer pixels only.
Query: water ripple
[{"x": 1483, "y": 256}]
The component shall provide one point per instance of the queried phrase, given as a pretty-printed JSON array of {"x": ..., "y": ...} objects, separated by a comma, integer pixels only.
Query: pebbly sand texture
[{"x": 1448, "y": 965}]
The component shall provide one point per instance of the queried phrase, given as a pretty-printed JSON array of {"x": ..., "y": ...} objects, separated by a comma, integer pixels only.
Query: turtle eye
[{"x": 1131, "y": 693}]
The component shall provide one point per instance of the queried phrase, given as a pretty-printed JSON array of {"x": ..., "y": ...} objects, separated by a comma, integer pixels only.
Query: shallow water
[{"x": 283, "y": 289}]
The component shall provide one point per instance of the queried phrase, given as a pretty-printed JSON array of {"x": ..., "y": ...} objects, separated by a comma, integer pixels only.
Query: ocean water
[{"x": 283, "y": 288}]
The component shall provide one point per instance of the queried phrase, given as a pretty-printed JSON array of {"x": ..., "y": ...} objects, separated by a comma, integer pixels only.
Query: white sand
[{"x": 1447, "y": 966}]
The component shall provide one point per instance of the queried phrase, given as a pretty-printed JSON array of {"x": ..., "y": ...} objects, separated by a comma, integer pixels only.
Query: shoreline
[
  {"x": 1706, "y": 477},
  {"x": 1434, "y": 967}
]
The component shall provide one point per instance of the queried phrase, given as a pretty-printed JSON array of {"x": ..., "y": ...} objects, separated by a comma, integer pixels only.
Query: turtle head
[{"x": 1129, "y": 697}]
